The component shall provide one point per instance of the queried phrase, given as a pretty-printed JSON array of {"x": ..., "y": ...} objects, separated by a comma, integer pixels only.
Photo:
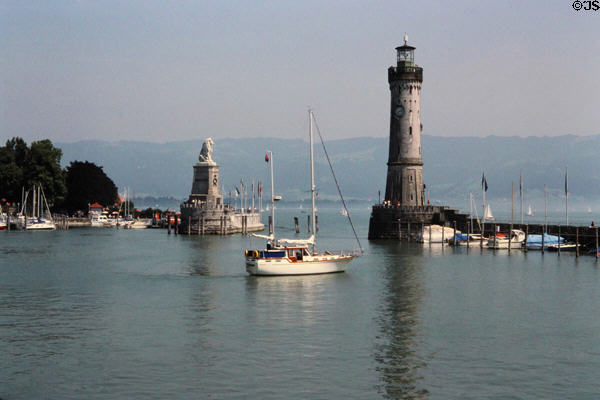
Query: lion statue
[{"x": 206, "y": 152}]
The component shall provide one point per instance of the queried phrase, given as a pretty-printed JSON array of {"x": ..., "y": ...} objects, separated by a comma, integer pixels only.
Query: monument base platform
[
  {"x": 198, "y": 219},
  {"x": 406, "y": 222}
]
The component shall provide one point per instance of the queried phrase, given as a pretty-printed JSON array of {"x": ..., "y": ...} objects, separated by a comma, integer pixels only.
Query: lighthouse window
[{"x": 410, "y": 130}]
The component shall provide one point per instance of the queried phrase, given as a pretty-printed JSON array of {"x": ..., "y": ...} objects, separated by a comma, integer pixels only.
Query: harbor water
[{"x": 103, "y": 313}]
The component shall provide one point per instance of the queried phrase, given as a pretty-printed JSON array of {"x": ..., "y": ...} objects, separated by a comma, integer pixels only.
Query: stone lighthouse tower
[
  {"x": 403, "y": 215},
  {"x": 404, "y": 184}
]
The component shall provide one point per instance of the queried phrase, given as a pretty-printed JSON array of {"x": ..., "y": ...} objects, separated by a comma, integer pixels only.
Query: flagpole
[
  {"x": 521, "y": 194},
  {"x": 545, "y": 209},
  {"x": 483, "y": 212},
  {"x": 512, "y": 206},
  {"x": 567, "y": 194}
]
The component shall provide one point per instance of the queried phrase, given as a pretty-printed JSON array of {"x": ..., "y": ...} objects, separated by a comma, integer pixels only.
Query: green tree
[
  {"x": 42, "y": 166},
  {"x": 21, "y": 167},
  {"x": 87, "y": 183}
]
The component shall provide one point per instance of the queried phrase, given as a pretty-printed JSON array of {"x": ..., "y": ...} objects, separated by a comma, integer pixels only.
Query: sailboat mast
[
  {"x": 34, "y": 208},
  {"x": 521, "y": 194},
  {"x": 312, "y": 173},
  {"x": 545, "y": 209},
  {"x": 272, "y": 193},
  {"x": 567, "y": 195},
  {"x": 512, "y": 214}
]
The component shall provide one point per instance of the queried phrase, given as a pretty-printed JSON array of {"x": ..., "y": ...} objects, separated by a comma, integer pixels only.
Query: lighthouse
[
  {"x": 404, "y": 183},
  {"x": 403, "y": 214}
]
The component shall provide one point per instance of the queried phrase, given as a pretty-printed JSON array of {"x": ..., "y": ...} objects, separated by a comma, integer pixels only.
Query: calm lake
[{"x": 120, "y": 314}]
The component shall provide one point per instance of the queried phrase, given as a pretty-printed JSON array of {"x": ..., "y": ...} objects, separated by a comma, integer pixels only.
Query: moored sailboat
[
  {"x": 39, "y": 216},
  {"x": 296, "y": 256}
]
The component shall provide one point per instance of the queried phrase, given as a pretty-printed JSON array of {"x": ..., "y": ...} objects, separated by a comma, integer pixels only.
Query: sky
[{"x": 162, "y": 70}]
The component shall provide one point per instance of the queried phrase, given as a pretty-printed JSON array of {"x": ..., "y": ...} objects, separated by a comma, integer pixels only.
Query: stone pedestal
[
  {"x": 204, "y": 211},
  {"x": 206, "y": 186}
]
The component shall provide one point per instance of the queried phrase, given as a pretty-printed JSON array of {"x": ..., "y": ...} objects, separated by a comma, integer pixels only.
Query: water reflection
[
  {"x": 297, "y": 300},
  {"x": 203, "y": 254},
  {"x": 396, "y": 346}
]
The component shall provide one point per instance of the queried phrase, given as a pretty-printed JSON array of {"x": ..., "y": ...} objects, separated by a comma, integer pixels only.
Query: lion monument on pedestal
[{"x": 206, "y": 152}]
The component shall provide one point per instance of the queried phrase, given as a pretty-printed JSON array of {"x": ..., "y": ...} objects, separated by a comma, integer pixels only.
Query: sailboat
[
  {"x": 487, "y": 214},
  {"x": 295, "y": 256},
  {"x": 529, "y": 211},
  {"x": 39, "y": 217}
]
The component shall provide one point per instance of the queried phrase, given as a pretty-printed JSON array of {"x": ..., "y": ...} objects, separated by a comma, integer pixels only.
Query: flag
[
  {"x": 484, "y": 184},
  {"x": 267, "y": 157},
  {"x": 237, "y": 191},
  {"x": 566, "y": 181}
]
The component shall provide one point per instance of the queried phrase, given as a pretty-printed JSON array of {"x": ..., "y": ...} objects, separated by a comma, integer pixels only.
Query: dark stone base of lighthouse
[
  {"x": 205, "y": 213},
  {"x": 407, "y": 222}
]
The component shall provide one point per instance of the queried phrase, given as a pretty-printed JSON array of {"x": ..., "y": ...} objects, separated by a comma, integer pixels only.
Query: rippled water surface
[{"x": 102, "y": 313}]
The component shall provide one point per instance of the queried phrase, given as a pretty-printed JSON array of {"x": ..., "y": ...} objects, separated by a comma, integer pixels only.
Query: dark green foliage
[
  {"x": 86, "y": 184},
  {"x": 22, "y": 167}
]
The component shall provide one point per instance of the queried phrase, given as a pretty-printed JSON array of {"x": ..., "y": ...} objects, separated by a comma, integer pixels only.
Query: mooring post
[
  {"x": 430, "y": 233},
  {"x": 422, "y": 231},
  {"x": 443, "y": 233},
  {"x": 495, "y": 230},
  {"x": 576, "y": 241},
  {"x": 526, "y": 236},
  {"x": 468, "y": 235},
  {"x": 296, "y": 224},
  {"x": 481, "y": 237},
  {"x": 169, "y": 226},
  {"x": 408, "y": 231},
  {"x": 559, "y": 240},
  {"x": 543, "y": 238},
  {"x": 454, "y": 233},
  {"x": 189, "y": 225},
  {"x": 8, "y": 222},
  {"x": 176, "y": 225},
  {"x": 399, "y": 230},
  {"x": 270, "y": 224},
  {"x": 202, "y": 224},
  {"x": 597, "y": 249}
]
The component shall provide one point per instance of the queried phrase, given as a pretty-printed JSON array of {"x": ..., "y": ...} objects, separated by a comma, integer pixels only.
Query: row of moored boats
[{"x": 516, "y": 239}]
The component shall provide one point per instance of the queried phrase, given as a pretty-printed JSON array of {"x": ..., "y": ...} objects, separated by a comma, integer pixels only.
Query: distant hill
[{"x": 453, "y": 166}]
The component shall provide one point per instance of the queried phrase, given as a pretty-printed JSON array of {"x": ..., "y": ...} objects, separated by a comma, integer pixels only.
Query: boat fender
[{"x": 255, "y": 254}]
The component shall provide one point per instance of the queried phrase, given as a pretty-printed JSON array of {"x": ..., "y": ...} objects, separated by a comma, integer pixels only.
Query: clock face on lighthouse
[{"x": 399, "y": 111}]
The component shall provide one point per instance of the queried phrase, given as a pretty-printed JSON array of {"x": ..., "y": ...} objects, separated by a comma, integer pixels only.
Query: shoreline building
[
  {"x": 404, "y": 202},
  {"x": 204, "y": 212}
]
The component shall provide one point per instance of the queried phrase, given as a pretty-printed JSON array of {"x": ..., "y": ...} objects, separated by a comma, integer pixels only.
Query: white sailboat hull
[
  {"x": 504, "y": 244},
  {"x": 40, "y": 226},
  {"x": 325, "y": 264}
]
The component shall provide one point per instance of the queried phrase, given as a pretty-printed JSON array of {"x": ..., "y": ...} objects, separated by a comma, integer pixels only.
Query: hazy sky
[{"x": 175, "y": 70}]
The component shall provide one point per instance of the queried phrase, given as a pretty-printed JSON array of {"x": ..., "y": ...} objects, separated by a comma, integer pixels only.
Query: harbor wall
[{"x": 200, "y": 220}]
